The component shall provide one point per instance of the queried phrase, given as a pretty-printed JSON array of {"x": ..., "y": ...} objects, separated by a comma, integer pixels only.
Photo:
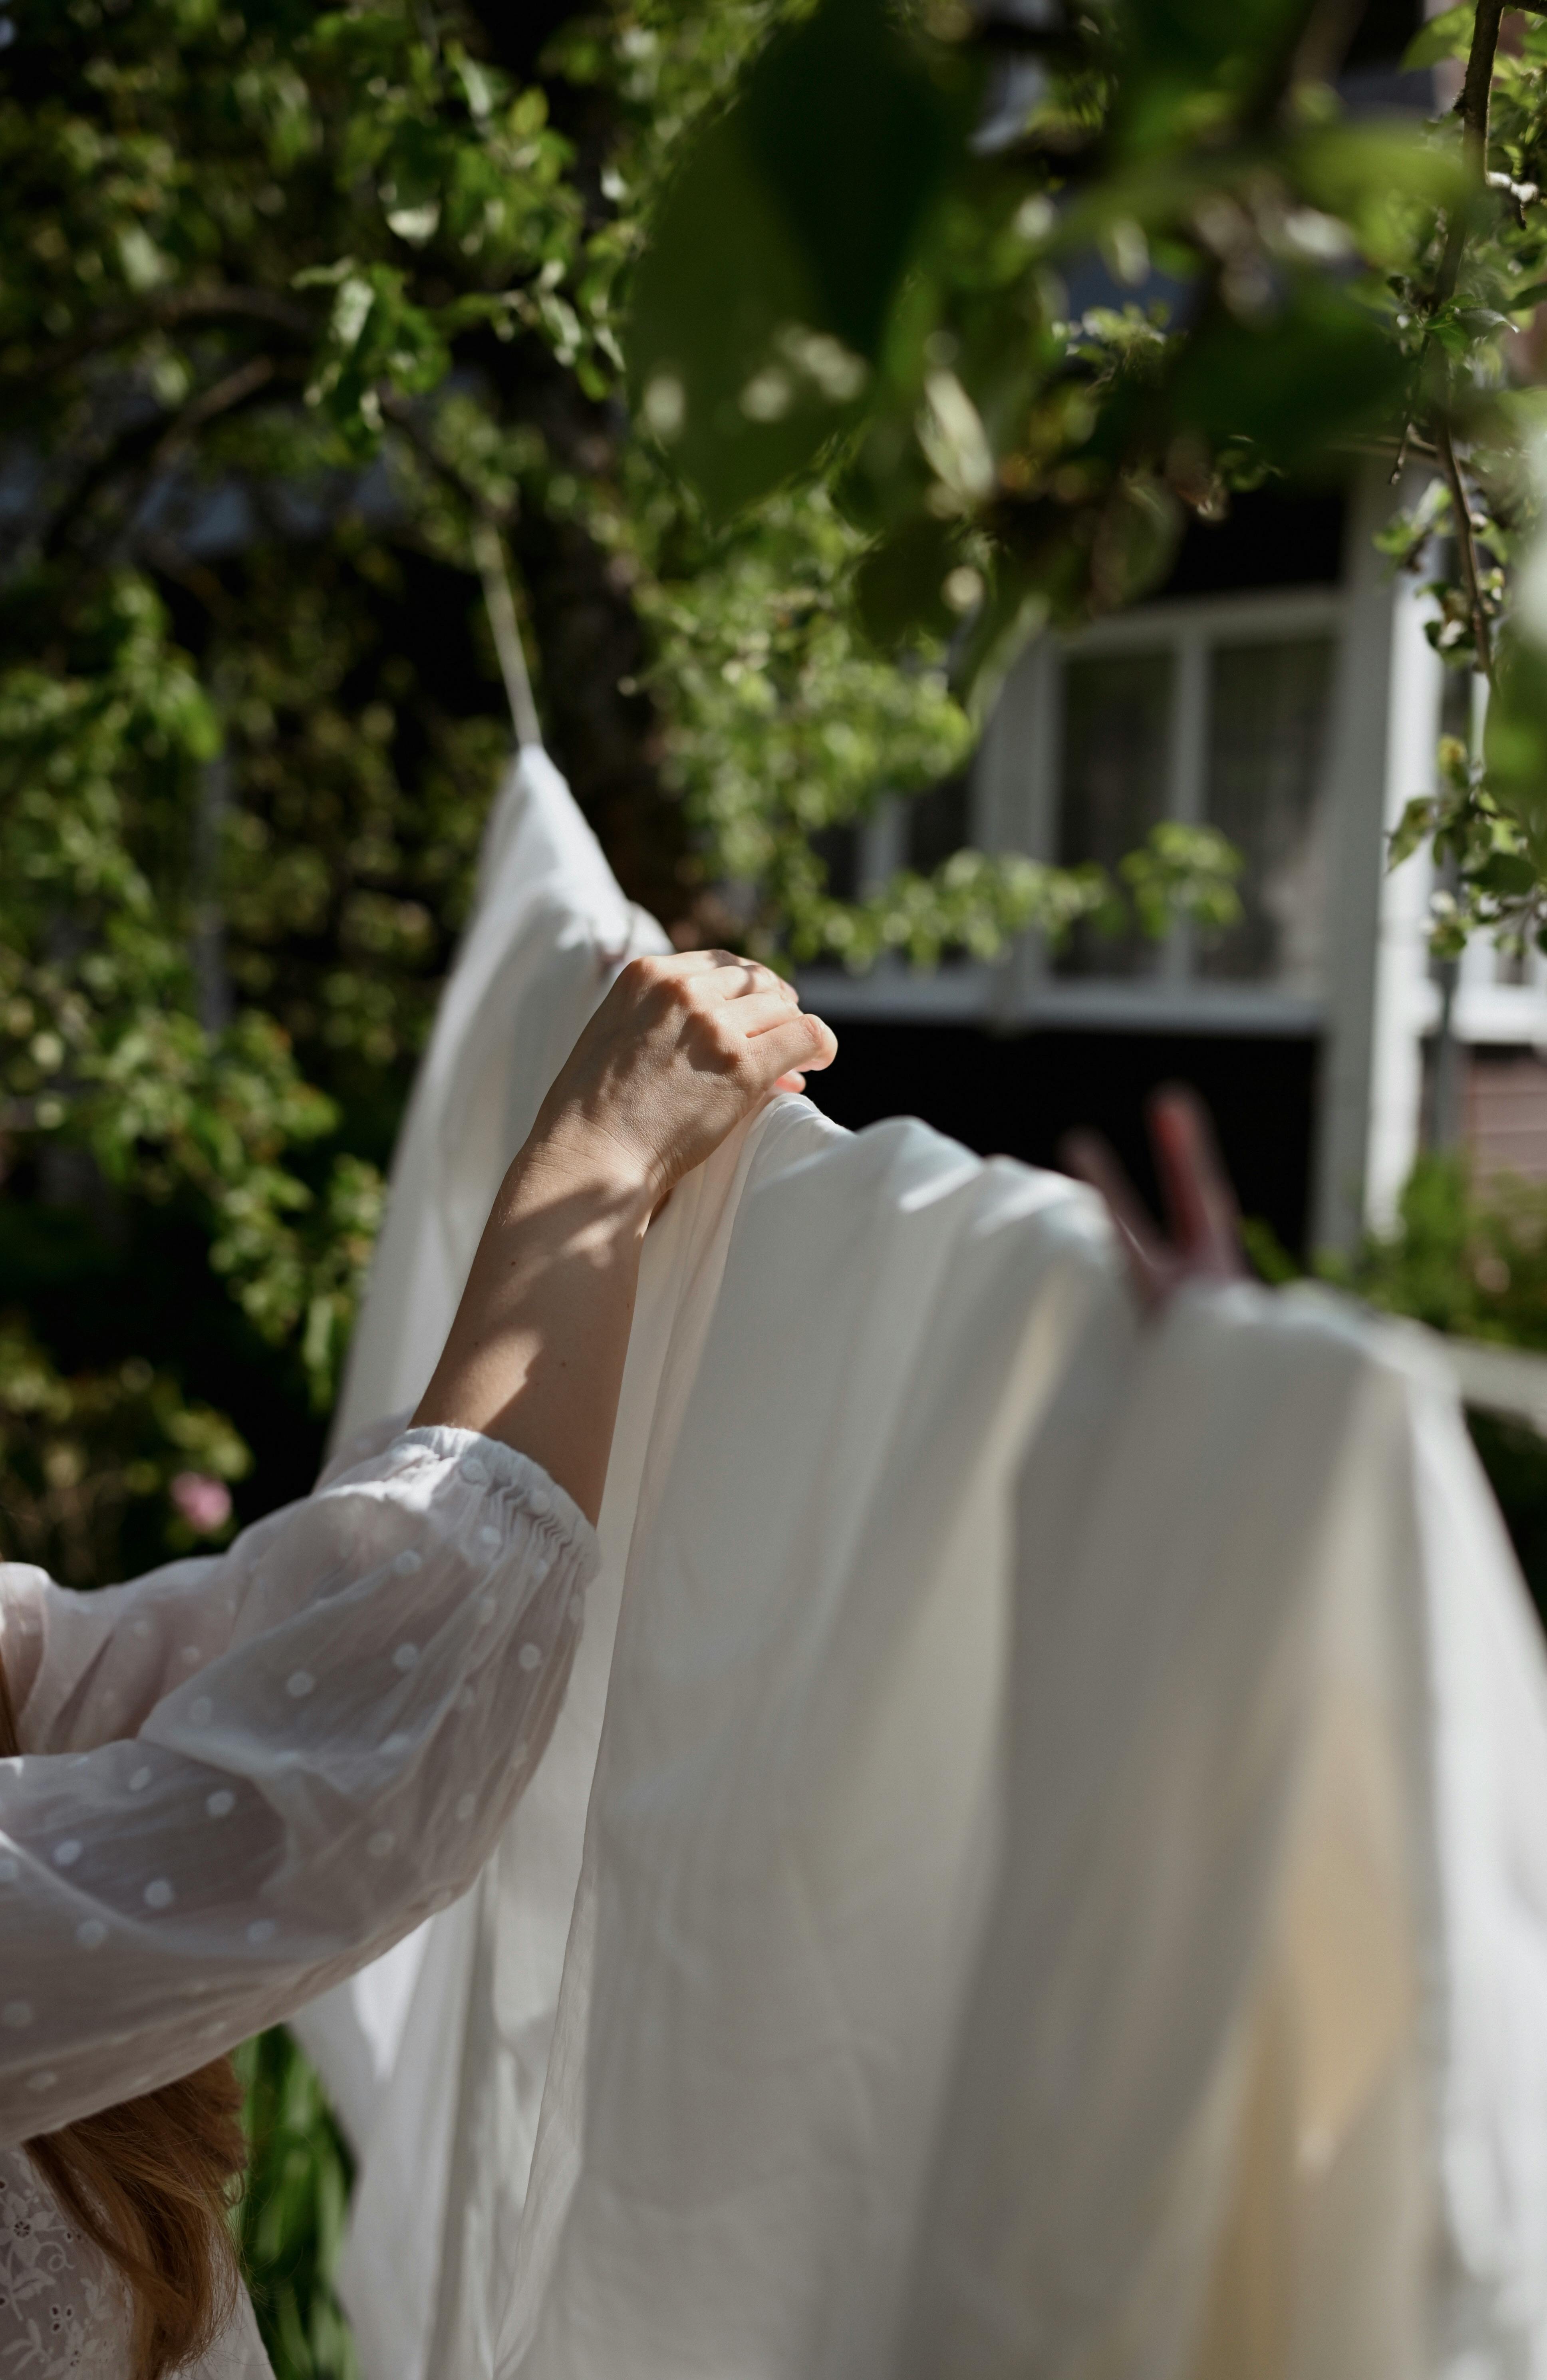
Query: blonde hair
[{"x": 151, "y": 2182}]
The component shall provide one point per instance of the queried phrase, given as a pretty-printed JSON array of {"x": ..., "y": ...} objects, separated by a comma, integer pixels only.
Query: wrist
[{"x": 576, "y": 1160}]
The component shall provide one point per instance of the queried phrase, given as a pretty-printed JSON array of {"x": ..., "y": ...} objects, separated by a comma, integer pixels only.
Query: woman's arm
[
  {"x": 370, "y": 1678},
  {"x": 677, "y": 1054},
  {"x": 244, "y": 1777}
]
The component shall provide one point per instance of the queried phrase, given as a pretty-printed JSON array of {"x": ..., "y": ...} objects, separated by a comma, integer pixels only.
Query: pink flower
[{"x": 204, "y": 1503}]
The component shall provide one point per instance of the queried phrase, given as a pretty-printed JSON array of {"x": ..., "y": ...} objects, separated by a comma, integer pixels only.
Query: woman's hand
[
  {"x": 1204, "y": 1242},
  {"x": 677, "y": 1054},
  {"x": 679, "y": 1051}
]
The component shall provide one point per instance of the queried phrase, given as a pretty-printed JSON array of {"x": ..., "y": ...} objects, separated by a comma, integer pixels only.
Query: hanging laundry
[
  {"x": 794, "y": 1813},
  {"x": 1062, "y": 1884},
  {"x": 1252, "y": 2079}
]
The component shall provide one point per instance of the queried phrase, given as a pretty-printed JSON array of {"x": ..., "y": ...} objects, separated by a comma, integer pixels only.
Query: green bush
[
  {"x": 290, "y": 2222},
  {"x": 1471, "y": 1260}
]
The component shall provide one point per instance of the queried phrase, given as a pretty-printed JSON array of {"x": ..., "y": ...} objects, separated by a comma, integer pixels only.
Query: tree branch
[
  {"x": 1477, "y": 92},
  {"x": 220, "y": 397},
  {"x": 399, "y": 411},
  {"x": 164, "y": 313},
  {"x": 1466, "y": 547},
  {"x": 147, "y": 446}
]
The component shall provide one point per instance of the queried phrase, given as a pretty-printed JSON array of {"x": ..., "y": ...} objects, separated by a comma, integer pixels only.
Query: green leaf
[
  {"x": 759, "y": 306},
  {"x": 900, "y": 586},
  {"x": 1506, "y": 873},
  {"x": 1319, "y": 368},
  {"x": 1515, "y": 740},
  {"x": 1411, "y": 830},
  {"x": 1372, "y": 175},
  {"x": 1448, "y": 35}
]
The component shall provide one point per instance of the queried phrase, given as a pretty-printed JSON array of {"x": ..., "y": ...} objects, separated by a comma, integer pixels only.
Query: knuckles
[
  {"x": 726, "y": 1045},
  {"x": 659, "y": 992},
  {"x": 642, "y": 974}
]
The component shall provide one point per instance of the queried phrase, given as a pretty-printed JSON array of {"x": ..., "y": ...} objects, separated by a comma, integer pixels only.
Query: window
[
  {"x": 1269, "y": 708},
  {"x": 1214, "y": 709},
  {"x": 1116, "y": 731},
  {"x": 1216, "y": 713}
]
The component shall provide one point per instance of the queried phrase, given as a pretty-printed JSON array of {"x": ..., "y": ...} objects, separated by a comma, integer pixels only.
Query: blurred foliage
[
  {"x": 1472, "y": 1259},
  {"x": 302, "y": 304},
  {"x": 87, "y": 1464},
  {"x": 861, "y": 272},
  {"x": 886, "y": 295},
  {"x": 289, "y": 2223},
  {"x": 1469, "y": 1260}
]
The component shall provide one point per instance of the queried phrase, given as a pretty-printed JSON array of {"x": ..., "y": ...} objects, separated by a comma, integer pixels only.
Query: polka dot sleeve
[{"x": 244, "y": 1777}]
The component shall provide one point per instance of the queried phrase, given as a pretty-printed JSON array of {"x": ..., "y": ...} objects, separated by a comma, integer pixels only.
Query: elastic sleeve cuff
[{"x": 489, "y": 1463}]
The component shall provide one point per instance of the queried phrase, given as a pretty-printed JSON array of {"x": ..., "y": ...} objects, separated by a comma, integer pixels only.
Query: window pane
[
  {"x": 837, "y": 848},
  {"x": 1117, "y": 732},
  {"x": 1268, "y": 718},
  {"x": 938, "y": 822}
]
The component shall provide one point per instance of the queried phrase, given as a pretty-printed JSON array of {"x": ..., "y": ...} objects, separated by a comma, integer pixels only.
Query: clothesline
[{"x": 504, "y": 627}]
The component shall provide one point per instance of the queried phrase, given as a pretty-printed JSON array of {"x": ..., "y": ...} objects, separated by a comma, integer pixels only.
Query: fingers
[
  {"x": 1151, "y": 1265},
  {"x": 1205, "y": 1222},
  {"x": 721, "y": 976},
  {"x": 801, "y": 1045},
  {"x": 1204, "y": 1238},
  {"x": 754, "y": 1014}
]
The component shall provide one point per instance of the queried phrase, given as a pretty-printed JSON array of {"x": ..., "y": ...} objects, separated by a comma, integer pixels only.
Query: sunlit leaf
[
  {"x": 1448, "y": 35},
  {"x": 757, "y": 310}
]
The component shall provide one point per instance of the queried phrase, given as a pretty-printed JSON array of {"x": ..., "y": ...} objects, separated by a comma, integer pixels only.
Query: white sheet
[
  {"x": 1095, "y": 1925},
  {"x": 1253, "y": 2077},
  {"x": 793, "y": 1815}
]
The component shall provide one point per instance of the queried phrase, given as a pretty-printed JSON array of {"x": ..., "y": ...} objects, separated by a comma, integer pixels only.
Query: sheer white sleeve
[{"x": 244, "y": 1776}]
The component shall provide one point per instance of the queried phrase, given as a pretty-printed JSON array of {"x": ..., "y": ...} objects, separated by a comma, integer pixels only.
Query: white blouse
[{"x": 244, "y": 1776}]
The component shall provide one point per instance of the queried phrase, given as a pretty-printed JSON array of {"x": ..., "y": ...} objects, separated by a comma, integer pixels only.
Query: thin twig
[
  {"x": 1328, "y": 29},
  {"x": 148, "y": 447},
  {"x": 164, "y": 554},
  {"x": 1409, "y": 445},
  {"x": 211, "y": 402},
  {"x": 1465, "y": 546},
  {"x": 1472, "y": 107},
  {"x": 164, "y": 313}
]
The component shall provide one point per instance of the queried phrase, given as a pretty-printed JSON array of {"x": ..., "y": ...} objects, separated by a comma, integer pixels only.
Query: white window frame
[{"x": 1014, "y": 806}]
